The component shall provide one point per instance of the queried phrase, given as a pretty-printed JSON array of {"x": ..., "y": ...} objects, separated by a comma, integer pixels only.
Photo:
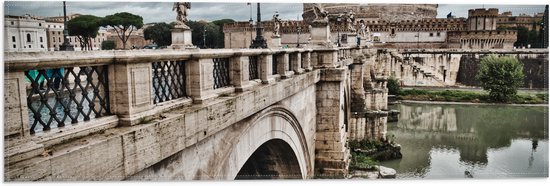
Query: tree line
[{"x": 86, "y": 27}]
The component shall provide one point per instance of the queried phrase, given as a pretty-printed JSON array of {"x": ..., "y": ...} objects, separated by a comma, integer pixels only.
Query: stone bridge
[
  {"x": 194, "y": 114},
  {"x": 189, "y": 114}
]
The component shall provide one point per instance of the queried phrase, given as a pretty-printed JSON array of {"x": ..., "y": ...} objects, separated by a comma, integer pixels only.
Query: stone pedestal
[
  {"x": 275, "y": 41},
  {"x": 181, "y": 38},
  {"x": 320, "y": 33},
  {"x": 352, "y": 40}
]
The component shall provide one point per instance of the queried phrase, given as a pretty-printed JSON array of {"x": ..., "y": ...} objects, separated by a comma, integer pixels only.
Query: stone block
[
  {"x": 100, "y": 161},
  {"x": 34, "y": 169},
  {"x": 16, "y": 118},
  {"x": 141, "y": 149}
]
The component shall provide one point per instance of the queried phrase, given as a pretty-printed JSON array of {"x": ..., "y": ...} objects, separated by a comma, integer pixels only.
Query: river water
[{"x": 470, "y": 141}]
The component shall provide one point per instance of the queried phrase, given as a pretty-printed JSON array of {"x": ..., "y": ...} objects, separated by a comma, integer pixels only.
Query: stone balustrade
[{"x": 137, "y": 87}]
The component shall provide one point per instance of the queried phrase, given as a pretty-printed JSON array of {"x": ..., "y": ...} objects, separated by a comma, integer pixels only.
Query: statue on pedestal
[
  {"x": 362, "y": 28},
  {"x": 350, "y": 21},
  {"x": 181, "y": 10},
  {"x": 276, "y": 24},
  {"x": 320, "y": 13}
]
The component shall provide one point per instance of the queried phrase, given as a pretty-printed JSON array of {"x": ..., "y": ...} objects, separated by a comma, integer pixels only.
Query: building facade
[
  {"x": 389, "y": 26},
  {"x": 24, "y": 34}
]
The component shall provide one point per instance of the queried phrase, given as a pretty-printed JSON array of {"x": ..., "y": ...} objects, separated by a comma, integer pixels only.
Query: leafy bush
[
  {"x": 500, "y": 76},
  {"x": 108, "y": 45},
  {"x": 393, "y": 86}
]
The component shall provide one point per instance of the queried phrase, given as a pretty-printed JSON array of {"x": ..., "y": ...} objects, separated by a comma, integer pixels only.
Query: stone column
[
  {"x": 265, "y": 62},
  {"x": 130, "y": 88},
  {"x": 239, "y": 73},
  {"x": 201, "y": 81},
  {"x": 283, "y": 66},
  {"x": 17, "y": 143},
  {"x": 332, "y": 155},
  {"x": 296, "y": 62},
  {"x": 306, "y": 61}
]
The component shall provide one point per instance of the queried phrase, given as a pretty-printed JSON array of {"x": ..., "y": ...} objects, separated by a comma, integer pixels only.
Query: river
[{"x": 470, "y": 141}]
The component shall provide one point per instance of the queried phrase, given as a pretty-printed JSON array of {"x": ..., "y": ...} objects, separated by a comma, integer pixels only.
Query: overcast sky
[{"x": 239, "y": 10}]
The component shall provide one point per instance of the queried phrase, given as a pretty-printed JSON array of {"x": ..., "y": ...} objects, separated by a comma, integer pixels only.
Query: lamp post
[
  {"x": 204, "y": 36},
  {"x": 251, "y": 22},
  {"x": 338, "y": 20},
  {"x": 259, "y": 42},
  {"x": 298, "y": 37},
  {"x": 66, "y": 46}
]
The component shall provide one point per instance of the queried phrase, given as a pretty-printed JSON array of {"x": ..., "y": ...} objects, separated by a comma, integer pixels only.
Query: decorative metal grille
[
  {"x": 221, "y": 72},
  {"x": 253, "y": 67},
  {"x": 274, "y": 65},
  {"x": 73, "y": 94},
  {"x": 289, "y": 63},
  {"x": 168, "y": 80}
]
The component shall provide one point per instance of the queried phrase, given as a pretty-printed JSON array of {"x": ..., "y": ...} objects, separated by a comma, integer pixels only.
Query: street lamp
[
  {"x": 251, "y": 22},
  {"x": 204, "y": 36},
  {"x": 66, "y": 46},
  {"x": 298, "y": 37},
  {"x": 338, "y": 20},
  {"x": 259, "y": 42}
]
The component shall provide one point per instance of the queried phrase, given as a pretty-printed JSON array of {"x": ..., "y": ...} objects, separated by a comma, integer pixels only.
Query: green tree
[
  {"x": 214, "y": 33},
  {"x": 108, "y": 45},
  {"x": 160, "y": 33},
  {"x": 500, "y": 76},
  {"x": 393, "y": 86},
  {"x": 522, "y": 37},
  {"x": 84, "y": 27},
  {"x": 124, "y": 24}
]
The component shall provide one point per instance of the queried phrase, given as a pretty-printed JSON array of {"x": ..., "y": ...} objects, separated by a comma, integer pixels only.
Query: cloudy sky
[{"x": 237, "y": 10}]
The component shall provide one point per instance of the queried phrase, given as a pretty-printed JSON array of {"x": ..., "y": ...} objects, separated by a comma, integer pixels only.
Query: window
[
  {"x": 393, "y": 31},
  {"x": 30, "y": 46},
  {"x": 70, "y": 39},
  {"x": 41, "y": 40},
  {"x": 49, "y": 26},
  {"x": 431, "y": 34},
  {"x": 59, "y": 33},
  {"x": 14, "y": 46},
  {"x": 59, "y": 39},
  {"x": 13, "y": 38},
  {"x": 438, "y": 34},
  {"x": 28, "y": 37},
  {"x": 41, "y": 46},
  {"x": 39, "y": 24},
  {"x": 54, "y": 46},
  {"x": 12, "y": 23}
]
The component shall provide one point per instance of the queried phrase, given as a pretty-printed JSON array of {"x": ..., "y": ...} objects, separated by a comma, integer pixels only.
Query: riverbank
[{"x": 462, "y": 96}]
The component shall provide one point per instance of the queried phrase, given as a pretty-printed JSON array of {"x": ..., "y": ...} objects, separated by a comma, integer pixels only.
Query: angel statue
[
  {"x": 181, "y": 10},
  {"x": 276, "y": 24}
]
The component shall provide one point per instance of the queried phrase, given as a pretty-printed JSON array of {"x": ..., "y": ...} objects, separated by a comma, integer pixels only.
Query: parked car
[{"x": 151, "y": 46}]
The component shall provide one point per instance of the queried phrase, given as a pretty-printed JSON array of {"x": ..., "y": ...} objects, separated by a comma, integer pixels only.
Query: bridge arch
[{"x": 274, "y": 132}]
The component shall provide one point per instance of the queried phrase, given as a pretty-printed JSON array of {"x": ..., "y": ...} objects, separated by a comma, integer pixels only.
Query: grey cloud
[{"x": 240, "y": 11}]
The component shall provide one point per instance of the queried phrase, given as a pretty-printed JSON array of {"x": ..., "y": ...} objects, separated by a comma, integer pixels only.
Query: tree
[
  {"x": 124, "y": 24},
  {"x": 108, "y": 45},
  {"x": 214, "y": 33},
  {"x": 522, "y": 37},
  {"x": 84, "y": 27},
  {"x": 393, "y": 86},
  {"x": 160, "y": 33},
  {"x": 501, "y": 76}
]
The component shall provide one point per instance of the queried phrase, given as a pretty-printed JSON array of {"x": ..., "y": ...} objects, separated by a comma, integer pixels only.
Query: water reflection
[{"x": 464, "y": 141}]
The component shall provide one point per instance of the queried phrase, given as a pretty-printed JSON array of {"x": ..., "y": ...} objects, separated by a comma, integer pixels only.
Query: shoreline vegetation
[{"x": 467, "y": 96}]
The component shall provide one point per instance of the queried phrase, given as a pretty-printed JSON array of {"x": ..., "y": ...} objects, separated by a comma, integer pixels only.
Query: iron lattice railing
[
  {"x": 274, "y": 65},
  {"x": 168, "y": 80},
  {"x": 289, "y": 63},
  {"x": 253, "y": 67},
  {"x": 221, "y": 72},
  {"x": 73, "y": 94}
]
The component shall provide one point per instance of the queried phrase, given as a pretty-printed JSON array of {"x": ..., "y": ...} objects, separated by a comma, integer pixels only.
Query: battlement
[{"x": 482, "y": 12}]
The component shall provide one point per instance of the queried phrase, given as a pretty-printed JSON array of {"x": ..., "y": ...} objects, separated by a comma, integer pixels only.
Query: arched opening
[{"x": 274, "y": 159}]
